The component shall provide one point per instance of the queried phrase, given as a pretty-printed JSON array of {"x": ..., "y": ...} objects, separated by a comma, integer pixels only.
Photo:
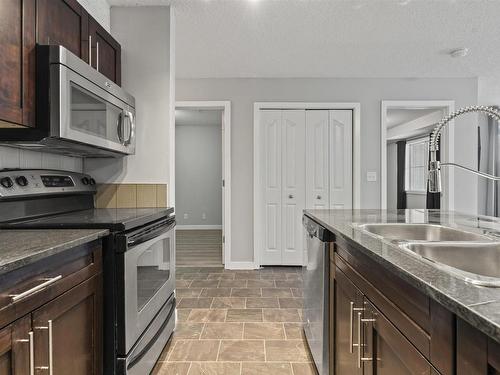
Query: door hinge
[{"x": 223, "y": 183}]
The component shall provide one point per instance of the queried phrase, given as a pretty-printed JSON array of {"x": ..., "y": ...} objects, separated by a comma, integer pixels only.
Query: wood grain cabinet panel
[
  {"x": 106, "y": 52},
  {"x": 17, "y": 62},
  {"x": 68, "y": 331},
  {"x": 63, "y": 22},
  {"x": 14, "y": 348}
]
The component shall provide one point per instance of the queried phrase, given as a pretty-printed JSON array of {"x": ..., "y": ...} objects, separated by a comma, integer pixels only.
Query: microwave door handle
[
  {"x": 119, "y": 128},
  {"x": 132, "y": 127}
]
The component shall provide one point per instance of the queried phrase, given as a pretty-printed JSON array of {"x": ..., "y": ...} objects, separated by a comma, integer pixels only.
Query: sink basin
[
  {"x": 420, "y": 232},
  {"x": 475, "y": 262}
]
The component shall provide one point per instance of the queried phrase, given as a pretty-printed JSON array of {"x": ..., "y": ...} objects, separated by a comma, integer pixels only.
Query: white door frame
[
  {"x": 225, "y": 106},
  {"x": 447, "y": 146},
  {"x": 356, "y": 160}
]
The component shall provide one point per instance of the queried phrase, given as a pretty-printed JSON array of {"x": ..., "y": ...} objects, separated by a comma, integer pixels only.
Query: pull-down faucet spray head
[{"x": 434, "y": 164}]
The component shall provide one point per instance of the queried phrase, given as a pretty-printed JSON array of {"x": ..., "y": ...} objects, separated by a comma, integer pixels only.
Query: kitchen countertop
[
  {"x": 480, "y": 306},
  {"x": 19, "y": 248}
]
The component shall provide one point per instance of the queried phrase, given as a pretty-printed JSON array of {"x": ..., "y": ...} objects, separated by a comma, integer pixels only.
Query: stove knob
[
  {"x": 92, "y": 181},
  {"x": 22, "y": 181},
  {"x": 85, "y": 181},
  {"x": 6, "y": 182}
]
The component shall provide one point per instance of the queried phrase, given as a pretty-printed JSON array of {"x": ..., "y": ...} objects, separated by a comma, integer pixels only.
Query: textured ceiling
[{"x": 336, "y": 38}]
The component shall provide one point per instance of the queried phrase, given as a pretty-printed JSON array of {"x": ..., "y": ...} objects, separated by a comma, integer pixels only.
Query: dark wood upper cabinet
[
  {"x": 17, "y": 63},
  {"x": 106, "y": 52},
  {"x": 63, "y": 22}
]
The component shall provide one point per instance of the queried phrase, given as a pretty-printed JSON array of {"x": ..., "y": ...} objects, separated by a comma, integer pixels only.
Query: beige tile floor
[{"x": 237, "y": 323}]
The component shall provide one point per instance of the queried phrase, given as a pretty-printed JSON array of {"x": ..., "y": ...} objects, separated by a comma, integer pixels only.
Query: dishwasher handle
[{"x": 316, "y": 230}]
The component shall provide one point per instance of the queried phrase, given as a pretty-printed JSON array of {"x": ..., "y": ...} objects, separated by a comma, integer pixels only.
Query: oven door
[
  {"x": 148, "y": 282},
  {"x": 84, "y": 112}
]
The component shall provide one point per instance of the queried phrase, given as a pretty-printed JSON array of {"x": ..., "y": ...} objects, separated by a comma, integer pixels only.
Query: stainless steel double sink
[{"x": 470, "y": 256}]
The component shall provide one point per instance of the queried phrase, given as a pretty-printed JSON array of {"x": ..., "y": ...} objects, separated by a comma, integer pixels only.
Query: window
[{"x": 417, "y": 155}]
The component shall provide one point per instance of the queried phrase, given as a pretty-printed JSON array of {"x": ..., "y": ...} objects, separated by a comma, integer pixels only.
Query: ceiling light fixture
[{"x": 459, "y": 52}]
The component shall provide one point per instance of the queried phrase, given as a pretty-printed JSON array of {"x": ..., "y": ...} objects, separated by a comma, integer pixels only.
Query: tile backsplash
[
  {"x": 131, "y": 196},
  {"x": 11, "y": 157}
]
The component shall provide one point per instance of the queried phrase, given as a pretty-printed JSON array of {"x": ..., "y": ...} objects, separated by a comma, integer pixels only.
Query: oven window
[
  {"x": 153, "y": 271},
  {"x": 93, "y": 115}
]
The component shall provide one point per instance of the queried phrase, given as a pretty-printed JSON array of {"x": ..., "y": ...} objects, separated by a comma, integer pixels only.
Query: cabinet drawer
[{"x": 27, "y": 288}]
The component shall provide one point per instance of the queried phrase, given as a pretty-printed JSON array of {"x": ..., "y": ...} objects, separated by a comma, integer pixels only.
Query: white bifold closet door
[
  {"x": 306, "y": 162},
  {"x": 284, "y": 180}
]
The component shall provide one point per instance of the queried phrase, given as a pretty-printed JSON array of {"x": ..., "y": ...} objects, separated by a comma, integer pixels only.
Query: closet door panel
[
  {"x": 293, "y": 185},
  {"x": 340, "y": 159},
  {"x": 272, "y": 170},
  {"x": 317, "y": 169}
]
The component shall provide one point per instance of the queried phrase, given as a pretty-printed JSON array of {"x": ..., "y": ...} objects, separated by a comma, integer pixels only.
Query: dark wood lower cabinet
[
  {"x": 348, "y": 304},
  {"x": 68, "y": 331},
  {"x": 385, "y": 350},
  {"x": 57, "y": 329},
  {"x": 15, "y": 347}
]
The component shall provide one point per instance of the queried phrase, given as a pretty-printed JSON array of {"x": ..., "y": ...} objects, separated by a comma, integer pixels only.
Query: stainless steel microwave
[{"x": 79, "y": 111}]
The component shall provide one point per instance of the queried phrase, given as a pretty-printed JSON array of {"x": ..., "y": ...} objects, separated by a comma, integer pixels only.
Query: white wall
[
  {"x": 144, "y": 34},
  {"x": 369, "y": 92},
  {"x": 392, "y": 176},
  {"x": 198, "y": 166},
  {"x": 99, "y": 9}
]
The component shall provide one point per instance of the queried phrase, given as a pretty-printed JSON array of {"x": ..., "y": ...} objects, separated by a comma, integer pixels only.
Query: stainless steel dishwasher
[{"x": 316, "y": 275}]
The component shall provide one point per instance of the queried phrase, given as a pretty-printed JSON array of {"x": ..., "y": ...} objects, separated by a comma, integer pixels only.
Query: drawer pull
[
  {"x": 47, "y": 282},
  {"x": 360, "y": 358}
]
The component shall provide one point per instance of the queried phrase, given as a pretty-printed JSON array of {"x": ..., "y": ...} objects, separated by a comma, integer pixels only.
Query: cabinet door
[
  {"x": 393, "y": 352},
  {"x": 348, "y": 304},
  {"x": 63, "y": 22},
  {"x": 271, "y": 177},
  {"x": 68, "y": 331},
  {"x": 17, "y": 62},
  {"x": 317, "y": 171},
  {"x": 340, "y": 165},
  {"x": 293, "y": 186},
  {"x": 15, "y": 342},
  {"x": 106, "y": 52}
]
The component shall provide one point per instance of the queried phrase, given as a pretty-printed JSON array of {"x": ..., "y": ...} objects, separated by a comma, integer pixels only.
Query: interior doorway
[
  {"x": 405, "y": 128},
  {"x": 202, "y": 183}
]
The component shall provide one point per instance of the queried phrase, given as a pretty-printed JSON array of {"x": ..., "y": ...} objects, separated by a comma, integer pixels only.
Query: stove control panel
[{"x": 15, "y": 183}]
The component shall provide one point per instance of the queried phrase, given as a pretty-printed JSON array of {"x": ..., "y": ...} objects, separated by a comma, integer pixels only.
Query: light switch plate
[{"x": 371, "y": 176}]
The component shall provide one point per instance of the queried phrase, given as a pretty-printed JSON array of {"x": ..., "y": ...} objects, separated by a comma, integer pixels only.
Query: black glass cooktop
[{"x": 115, "y": 219}]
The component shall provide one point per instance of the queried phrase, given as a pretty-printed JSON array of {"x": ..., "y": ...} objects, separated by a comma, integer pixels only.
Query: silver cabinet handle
[
  {"x": 50, "y": 367},
  {"x": 351, "y": 318},
  {"x": 97, "y": 55},
  {"x": 51, "y": 349},
  {"x": 360, "y": 358},
  {"x": 90, "y": 50},
  {"x": 26, "y": 293},
  {"x": 29, "y": 340}
]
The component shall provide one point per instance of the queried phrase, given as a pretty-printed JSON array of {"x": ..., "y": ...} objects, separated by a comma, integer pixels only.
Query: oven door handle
[
  {"x": 149, "y": 235},
  {"x": 136, "y": 358}
]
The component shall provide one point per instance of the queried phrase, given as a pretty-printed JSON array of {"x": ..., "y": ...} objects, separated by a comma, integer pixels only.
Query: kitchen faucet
[{"x": 435, "y": 165}]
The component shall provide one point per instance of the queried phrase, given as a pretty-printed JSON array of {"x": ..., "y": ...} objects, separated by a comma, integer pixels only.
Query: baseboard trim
[
  {"x": 240, "y": 266},
  {"x": 199, "y": 227}
]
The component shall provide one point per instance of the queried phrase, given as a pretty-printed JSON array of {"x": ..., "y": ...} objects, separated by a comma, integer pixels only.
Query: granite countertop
[
  {"x": 19, "y": 247},
  {"x": 478, "y": 305}
]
